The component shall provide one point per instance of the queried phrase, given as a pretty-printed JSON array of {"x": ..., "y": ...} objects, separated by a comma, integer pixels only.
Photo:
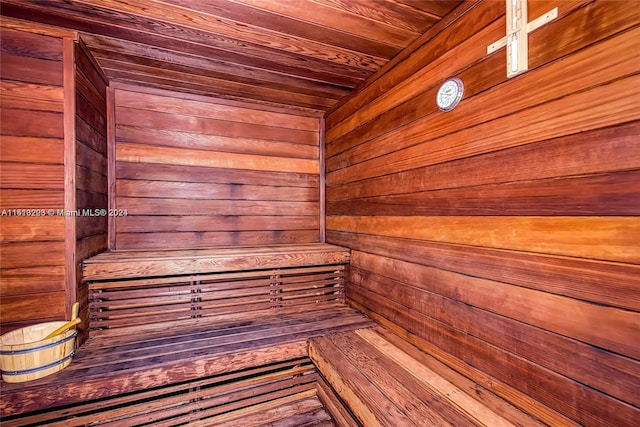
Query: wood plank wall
[
  {"x": 32, "y": 275},
  {"x": 503, "y": 237},
  {"x": 91, "y": 225},
  {"x": 194, "y": 172}
]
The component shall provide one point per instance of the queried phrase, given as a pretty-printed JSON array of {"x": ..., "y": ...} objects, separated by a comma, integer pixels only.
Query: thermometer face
[{"x": 450, "y": 94}]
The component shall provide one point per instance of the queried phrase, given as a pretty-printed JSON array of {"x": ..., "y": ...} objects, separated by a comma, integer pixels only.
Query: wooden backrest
[{"x": 121, "y": 303}]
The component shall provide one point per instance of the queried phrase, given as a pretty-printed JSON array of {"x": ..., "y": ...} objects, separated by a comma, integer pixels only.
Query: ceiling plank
[
  {"x": 103, "y": 47},
  {"x": 287, "y": 25},
  {"x": 129, "y": 62},
  {"x": 390, "y": 13},
  {"x": 435, "y": 8},
  {"x": 120, "y": 25},
  {"x": 337, "y": 19},
  {"x": 188, "y": 17},
  {"x": 148, "y": 73},
  {"x": 175, "y": 81}
]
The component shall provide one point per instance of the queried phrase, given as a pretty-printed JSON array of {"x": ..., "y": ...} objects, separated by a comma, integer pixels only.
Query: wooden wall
[
  {"x": 32, "y": 252},
  {"x": 503, "y": 237},
  {"x": 53, "y": 177},
  {"x": 193, "y": 172},
  {"x": 90, "y": 167}
]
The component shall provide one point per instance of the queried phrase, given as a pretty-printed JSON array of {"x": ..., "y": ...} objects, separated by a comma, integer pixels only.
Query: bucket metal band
[
  {"x": 40, "y": 368},
  {"x": 34, "y": 349}
]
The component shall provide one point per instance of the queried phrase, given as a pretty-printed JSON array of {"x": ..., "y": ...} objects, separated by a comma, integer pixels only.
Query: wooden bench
[
  {"x": 384, "y": 380},
  {"x": 206, "y": 336}
]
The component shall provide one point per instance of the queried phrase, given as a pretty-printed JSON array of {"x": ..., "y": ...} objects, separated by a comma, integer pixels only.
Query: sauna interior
[{"x": 269, "y": 214}]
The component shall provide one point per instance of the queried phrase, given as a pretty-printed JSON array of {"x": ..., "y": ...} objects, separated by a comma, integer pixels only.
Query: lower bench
[
  {"x": 385, "y": 381},
  {"x": 269, "y": 393},
  {"x": 198, "y": 372}
]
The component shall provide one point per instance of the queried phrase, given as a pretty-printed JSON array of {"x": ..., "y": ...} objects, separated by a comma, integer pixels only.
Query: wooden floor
[{"x": 115, "y": 365}]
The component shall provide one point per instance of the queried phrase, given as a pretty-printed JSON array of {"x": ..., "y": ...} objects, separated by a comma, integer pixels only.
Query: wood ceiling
[{"x": 304, "y": 54}]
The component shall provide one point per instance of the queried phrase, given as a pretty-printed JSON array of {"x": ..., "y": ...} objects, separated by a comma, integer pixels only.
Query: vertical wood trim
[
  {"x": 323, "y": 195},
  {"x": 111, "y": 164},
  {"x": 69, "y": 172}
]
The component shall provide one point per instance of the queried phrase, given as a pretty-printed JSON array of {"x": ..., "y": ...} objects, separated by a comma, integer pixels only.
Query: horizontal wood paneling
[
  {"x": 27, "y": 96},
  {"x": 32, "y": 283},
  {"x": 229, "y": 223},
  {"x": 228, "y": 144},
  {"x": 603, "y": 283},
  {"x": 199, "y": 207},
  {"x": 604, "y": 238},
  {"x": 502, "y": 237},
  {"x": 598, "y": 151},
  {"x": 163, "y": 104},
  {"x": 137, "y": 153},
  {"x": 32, "y": 280},
  {"x": 31, "y": 229},
  {"x": 231, "y": 191},
  {"x": 32, "y": 254},
  {"x": 566, "y": 196},
  {"x": 201, "y": 173},
  {"x": 214, "y": 175}
]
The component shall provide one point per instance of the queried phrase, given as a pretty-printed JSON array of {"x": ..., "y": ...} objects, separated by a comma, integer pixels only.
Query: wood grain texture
[
  {"x": 151, "y": 102},
  {"x": 612, "y": 333},
  {"x": 90, "y": 168},
  {"x": 303, "y": 55},
  {"x": 156, "y": 172},
  {"x": 604, "y": 238},
  {"x": 173, "y": 354},
  {"x": 204, "y": 125},
  {"x": 212, "y": 167},
  {"x": 582, "y": 112},
  {"x": 567, "y": 196},
  {"x": 376, "y": 378},
  {"x": 600, "y": 151},
  {"x": 603, "y": 283},
  {"x": 32, "y": 280},
  {"x": 428, "y": 202},
  {"x": 117, "y": 308},
  {"x": 482, "y": 76},
  {"x": 32, "y": 126},
  {"x": 29, "y": 96},
  {"x": 118, "y": 264},
  {"x": 71, "y": 153},
  {"x": 150, "y": 224},
  {"x": 566, "y": 398}
]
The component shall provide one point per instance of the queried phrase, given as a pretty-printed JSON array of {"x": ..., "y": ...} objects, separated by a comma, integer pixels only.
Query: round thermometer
[{"x": 450, "y": 94}]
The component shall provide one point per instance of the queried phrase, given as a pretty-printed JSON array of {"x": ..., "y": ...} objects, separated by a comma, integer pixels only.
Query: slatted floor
[{"x": 124, "y": 364}]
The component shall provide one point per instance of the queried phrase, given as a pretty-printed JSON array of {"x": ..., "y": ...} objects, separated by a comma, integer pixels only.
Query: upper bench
[{"x": 130, "y": 264}]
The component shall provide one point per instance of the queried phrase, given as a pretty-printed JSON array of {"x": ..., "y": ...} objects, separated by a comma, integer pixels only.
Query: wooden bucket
[{"x": 26, "y": 356}]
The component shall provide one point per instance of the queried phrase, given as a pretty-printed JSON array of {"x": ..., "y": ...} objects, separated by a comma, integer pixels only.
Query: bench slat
[
  {"x": 136, "y": 264},
  {"x": 174, "y": 352},
  {"x": 127, "y": 303},
  {"x": 377, "y": 373},
  {"x": 241, "y": 391}
]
